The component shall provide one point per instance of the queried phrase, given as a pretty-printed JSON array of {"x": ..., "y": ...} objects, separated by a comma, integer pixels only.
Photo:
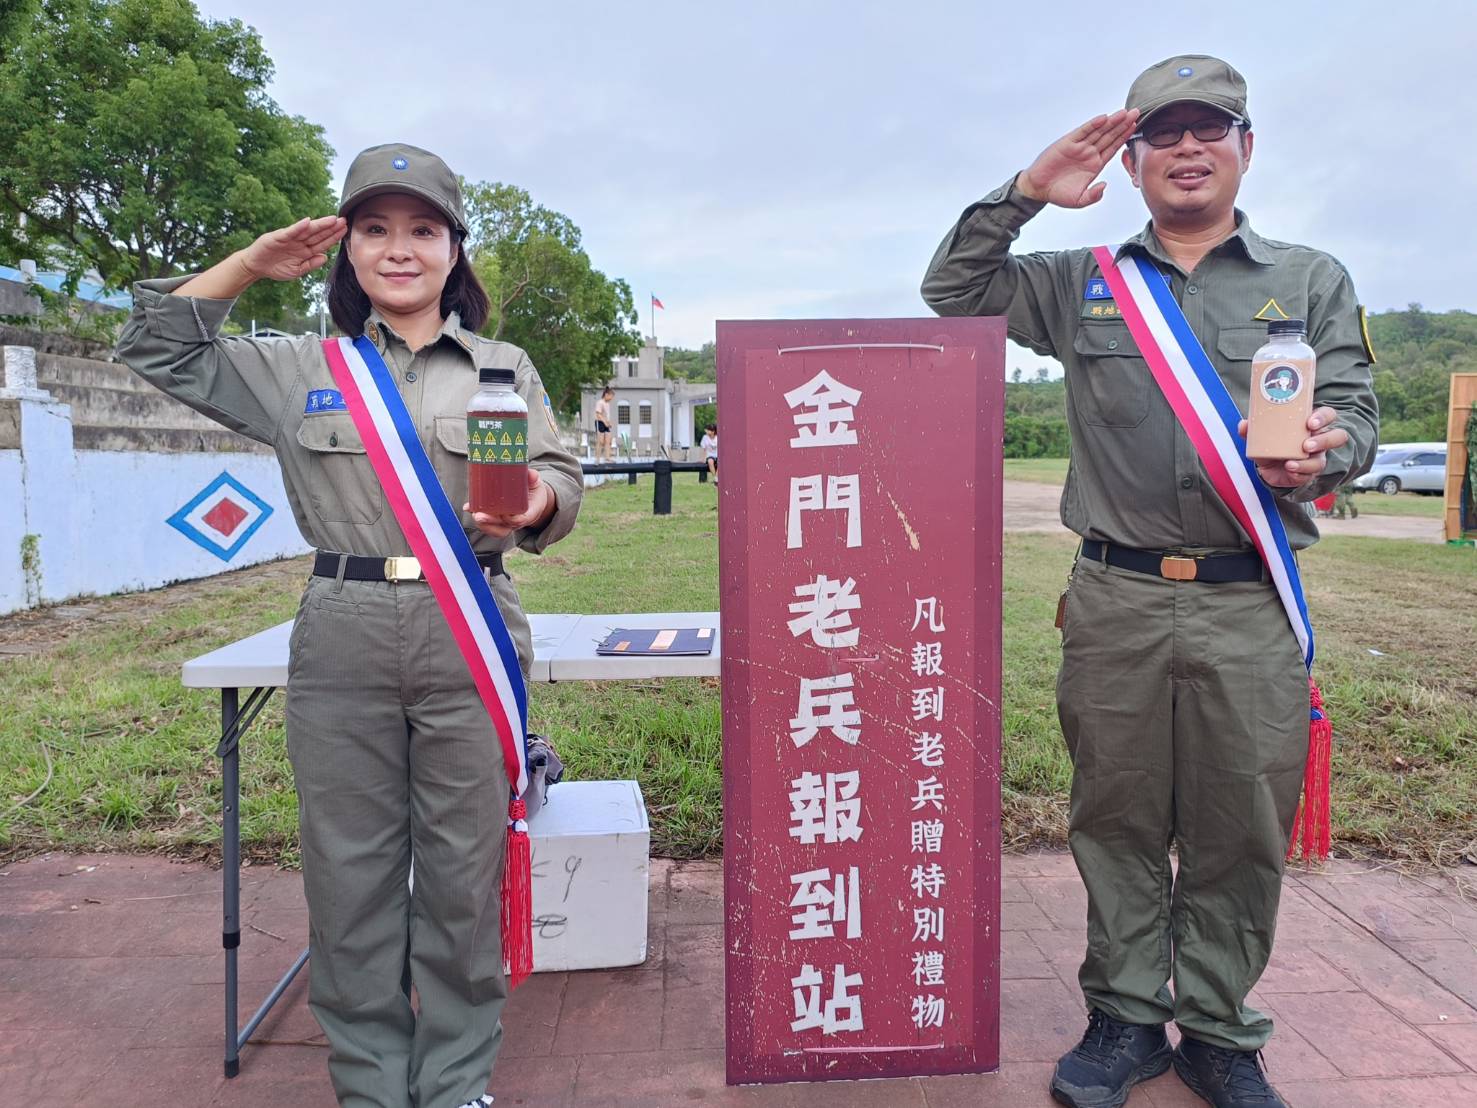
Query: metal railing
[{"x": 662, "y": 468}]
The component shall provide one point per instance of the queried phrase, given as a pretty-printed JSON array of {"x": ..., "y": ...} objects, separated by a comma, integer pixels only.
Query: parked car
[{"x": 1405, "y": 471}]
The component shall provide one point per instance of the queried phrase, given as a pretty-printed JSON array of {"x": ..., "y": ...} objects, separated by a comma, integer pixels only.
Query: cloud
[{"x": 776, "y": 158}]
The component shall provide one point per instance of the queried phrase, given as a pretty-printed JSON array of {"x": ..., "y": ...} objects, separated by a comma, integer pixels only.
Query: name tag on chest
[{"x": 325, "y": 400}]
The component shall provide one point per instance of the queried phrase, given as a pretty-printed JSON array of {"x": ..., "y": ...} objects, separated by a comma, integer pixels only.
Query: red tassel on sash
[
  {"x": 1314, "y": 822},
  {"x": 517, "y": 898}
]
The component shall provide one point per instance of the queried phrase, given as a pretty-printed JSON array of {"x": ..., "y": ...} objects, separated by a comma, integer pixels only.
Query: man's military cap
[
  {"x": 398, "y": 167},
  {"x": 1195, "y": 77}
]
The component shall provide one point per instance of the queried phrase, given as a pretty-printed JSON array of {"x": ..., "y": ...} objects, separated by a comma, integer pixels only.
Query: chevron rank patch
[{"x": 1271, "y": 310}]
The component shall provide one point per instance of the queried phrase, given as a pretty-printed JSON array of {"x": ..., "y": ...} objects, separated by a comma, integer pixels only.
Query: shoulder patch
[
  {"x": 1364, "y": 333},
  {"x": 1270, "y": 310},
  {"x": 549, "y": 414}
]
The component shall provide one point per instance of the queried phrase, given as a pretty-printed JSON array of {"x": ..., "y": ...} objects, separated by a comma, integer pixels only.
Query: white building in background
[{"x": 652, "y": 415}]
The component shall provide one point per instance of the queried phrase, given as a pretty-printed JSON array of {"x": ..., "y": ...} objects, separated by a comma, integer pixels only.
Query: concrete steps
[
  {"x": 213, "y": 438},
  {"x": 109, "y": 407},
  {"x": 58, "y": 369},
  {"x": 114, "y": 408}
]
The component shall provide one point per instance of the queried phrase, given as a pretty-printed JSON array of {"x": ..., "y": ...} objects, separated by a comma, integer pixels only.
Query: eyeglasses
[{"x": 1161, "y": 135}]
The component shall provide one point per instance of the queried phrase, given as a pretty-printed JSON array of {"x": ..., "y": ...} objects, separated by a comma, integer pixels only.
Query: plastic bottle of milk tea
[{"x": 1282, "y": 373}]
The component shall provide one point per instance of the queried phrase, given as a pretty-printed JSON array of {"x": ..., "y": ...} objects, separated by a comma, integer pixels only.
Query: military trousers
[
  {"x": 1185, "y": 710},
  {"x": 397, "y": 763}
]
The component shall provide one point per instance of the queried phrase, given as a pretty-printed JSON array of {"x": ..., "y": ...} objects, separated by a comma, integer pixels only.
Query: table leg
[
  {"x": 231, "y": 872},
  {"x": 234, "y": 721}
]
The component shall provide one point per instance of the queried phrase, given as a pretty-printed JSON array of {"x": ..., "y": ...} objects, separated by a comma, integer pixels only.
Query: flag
[{"x": 655, "y": 303}]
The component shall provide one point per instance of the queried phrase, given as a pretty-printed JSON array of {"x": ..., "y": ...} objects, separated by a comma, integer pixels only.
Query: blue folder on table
[{"x": 658, "y": 640}]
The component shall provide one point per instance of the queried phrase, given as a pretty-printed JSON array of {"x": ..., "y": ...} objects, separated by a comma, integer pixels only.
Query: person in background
[
  {"x": 602, "y": 425},
  {"x": 709, "y": 446}
]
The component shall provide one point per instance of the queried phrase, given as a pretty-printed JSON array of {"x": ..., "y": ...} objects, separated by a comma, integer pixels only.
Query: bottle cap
[
  {"x": 487, "y": 376},
  {"x": 1287, "y": 327}
]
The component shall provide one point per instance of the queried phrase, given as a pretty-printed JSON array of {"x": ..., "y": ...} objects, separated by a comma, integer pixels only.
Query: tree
[
  {"x": 546, "y": 295},
  {"x": 15, "y": 16},
  {"x": 692, "y": 365},
  {"x": 1418, "y": 352},
  {"x": 140, "y": 142}
]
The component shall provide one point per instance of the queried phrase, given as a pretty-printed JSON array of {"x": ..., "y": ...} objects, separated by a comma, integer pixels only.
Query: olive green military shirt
[
  {"x": 264, "y": 389},
  {"x": 1134, "y": 477}
]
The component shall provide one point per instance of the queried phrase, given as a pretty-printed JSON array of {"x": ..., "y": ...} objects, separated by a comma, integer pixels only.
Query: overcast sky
[{"x": 795, "y": 159}]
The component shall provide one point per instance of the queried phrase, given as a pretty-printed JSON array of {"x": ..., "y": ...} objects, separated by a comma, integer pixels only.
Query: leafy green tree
[
  {"x": 1418, "y": 352},
  {"x": 139, "y": 141},
  {"x": 15, "y": 16},
  {"x": 702, "y": 415},
  {"x": 692, "y": 365},
  {"x": 1391, "y": 394},
  {"x": 1035, "y": 437},
  {"x": 547, "y": 297}
]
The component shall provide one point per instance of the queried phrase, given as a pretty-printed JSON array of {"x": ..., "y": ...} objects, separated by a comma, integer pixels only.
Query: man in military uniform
[{"x": 1184, "y": 703}]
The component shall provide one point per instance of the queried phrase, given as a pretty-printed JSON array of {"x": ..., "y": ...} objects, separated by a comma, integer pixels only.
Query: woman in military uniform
[{"x": 393, "y": 752}]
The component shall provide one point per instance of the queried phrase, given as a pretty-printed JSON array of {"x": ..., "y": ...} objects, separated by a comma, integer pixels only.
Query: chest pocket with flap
[
  {"x": 450, "y": 458},
  {"x": 1111, "y": 386},
  {"x": 1235, "y": 347},
  {"x": 342, "y": 486}
]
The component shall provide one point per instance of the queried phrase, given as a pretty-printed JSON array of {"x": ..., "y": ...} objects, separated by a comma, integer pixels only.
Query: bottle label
[
  {"x": 1281, "y": 383},
  {"x": 497, "y": 440}
]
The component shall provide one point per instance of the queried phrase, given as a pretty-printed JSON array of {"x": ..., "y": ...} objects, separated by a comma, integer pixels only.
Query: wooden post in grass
[{"x": 661, "y": 495}]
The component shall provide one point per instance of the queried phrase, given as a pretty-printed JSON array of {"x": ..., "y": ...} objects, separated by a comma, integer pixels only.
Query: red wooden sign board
[{"x": 860, "y": 593}]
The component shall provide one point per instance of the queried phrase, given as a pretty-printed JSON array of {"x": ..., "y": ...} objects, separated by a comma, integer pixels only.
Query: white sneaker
[{"x": 481, "y": 1102}]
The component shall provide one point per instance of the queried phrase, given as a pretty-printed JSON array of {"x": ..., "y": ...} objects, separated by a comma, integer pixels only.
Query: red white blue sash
[
  {"x": 1193, "y": 387},
  {"x": 434, "y": 531}
]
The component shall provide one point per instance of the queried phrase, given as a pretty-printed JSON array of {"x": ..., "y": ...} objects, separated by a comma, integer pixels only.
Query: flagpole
[{"x": 653, "y": 319}]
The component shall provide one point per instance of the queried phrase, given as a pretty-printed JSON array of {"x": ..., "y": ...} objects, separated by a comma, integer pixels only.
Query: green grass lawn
[
  {"x": 1043, "y": 471},
  {"x": 1053, "y": 471},
  {"x": 132, "y": 752},
  {"x": 1401, "y": 504}
]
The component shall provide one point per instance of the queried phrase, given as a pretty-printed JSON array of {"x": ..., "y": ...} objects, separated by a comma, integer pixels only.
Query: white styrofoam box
[{"x": 591, "y": 844}]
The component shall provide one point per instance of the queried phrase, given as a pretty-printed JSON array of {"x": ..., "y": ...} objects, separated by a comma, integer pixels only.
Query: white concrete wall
[
  {"x": 12, "y": 533},
  {"x": 141, "y": 550},
  {"x": 101, "y": 518}
]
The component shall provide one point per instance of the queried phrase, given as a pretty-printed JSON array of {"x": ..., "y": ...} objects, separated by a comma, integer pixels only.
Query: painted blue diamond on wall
[{"x": 221, "y": 517}]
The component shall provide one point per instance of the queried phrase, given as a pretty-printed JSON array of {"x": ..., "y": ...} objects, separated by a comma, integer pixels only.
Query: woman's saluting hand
[
  {"x": 289, "y": 252},
  {"x": 281, "y": 255}
]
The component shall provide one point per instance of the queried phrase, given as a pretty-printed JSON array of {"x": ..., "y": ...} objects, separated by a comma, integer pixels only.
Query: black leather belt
[
  {"x": 357, "y": 567},
  {"x": 1210, "y": 568}
]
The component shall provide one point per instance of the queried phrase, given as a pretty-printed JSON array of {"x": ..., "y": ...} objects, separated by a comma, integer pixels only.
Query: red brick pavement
[{"x": 110, "y": 987}]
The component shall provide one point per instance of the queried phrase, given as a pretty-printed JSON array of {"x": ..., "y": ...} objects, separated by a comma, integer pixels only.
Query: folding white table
[{"x": 563, "y": 650}]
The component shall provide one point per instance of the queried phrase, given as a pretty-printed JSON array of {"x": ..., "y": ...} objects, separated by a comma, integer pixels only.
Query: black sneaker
[
  {"x": 1223, "y": 1077},
  {"x": 1110, "y": 1060}
]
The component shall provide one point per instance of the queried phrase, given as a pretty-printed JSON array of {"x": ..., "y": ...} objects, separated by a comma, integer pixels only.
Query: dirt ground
[
  {"x": 1028, "y": 506},
  {"x": 41, "y": 629},
  {"x": 1034, "y": 507}
]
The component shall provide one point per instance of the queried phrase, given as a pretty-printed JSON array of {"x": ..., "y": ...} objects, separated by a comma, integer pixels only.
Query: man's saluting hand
[{"x": 1063, "y": 173}]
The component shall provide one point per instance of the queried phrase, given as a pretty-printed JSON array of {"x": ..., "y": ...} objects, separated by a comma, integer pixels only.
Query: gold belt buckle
[
  {"x": 1178, "y": 569},
  {"x": 402, "y": 568}
]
